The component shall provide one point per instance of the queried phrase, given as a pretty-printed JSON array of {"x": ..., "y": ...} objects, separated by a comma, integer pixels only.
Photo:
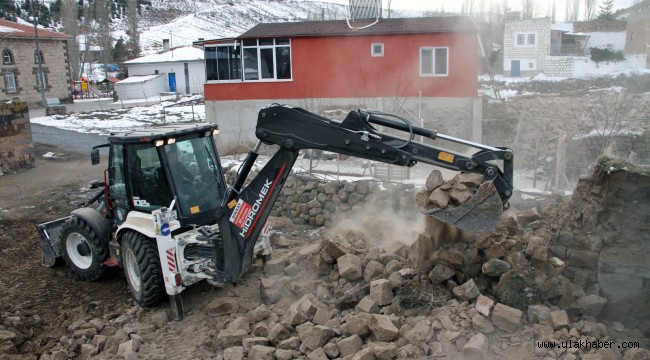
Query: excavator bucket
[{"x": 480, "y": 213}]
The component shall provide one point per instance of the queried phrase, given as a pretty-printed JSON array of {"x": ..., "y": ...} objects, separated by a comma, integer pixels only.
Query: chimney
[{"x": 165, "y": 45}]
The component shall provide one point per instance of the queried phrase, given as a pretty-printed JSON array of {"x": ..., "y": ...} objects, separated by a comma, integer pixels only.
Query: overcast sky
[{"x": 541, "y": 6}]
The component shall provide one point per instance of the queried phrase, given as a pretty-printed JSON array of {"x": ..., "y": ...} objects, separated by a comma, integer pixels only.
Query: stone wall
[
  {"x": 559, "y": 66},
  {"x": 16, "y": 148},
  {"x": 605, "y": 240},
  {"x": 526, "y": 54},
  {"x": 317, "y": 202}
]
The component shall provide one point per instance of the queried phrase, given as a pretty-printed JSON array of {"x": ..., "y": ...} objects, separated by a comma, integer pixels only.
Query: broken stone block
[
  {"x": 383, "y": 350},
  {"x": 349, "y": 345},
  {"x": 373, "y": 270},
  {"x": 383, "y": 328},
  {"x": 322, "y": 316},
  {"x": 349, "y": 267},
  {"x": 434, "y": 180},
  {"x": 420, "y": 252},
  {"x": 248, "y": 343},
  {"x": 527, "y": 216},
  {"x": 308, "y": 308},
  {"x": 495, "y": 252},
  {"x": 336, "y": 246},
  {"x": 467, "y": 291},
  {"x": 484, "y": 305},
  {"x": 460, "y": 196},
  {"x": 223, "y": 306},
  {"x": 506, "y": 318},
  {"x": 538, "y": 313},
  {"x": 292, "y": 343},
  {"x": 482, "y": 324},
  {"x": 278, "y": 333},
  {"x": 451, "y": 258},
  {"x": 439, "y": 198},
  {"x": 591, "y": 305},
  {"x": 234, "y": 353},
  {"x": 539, "y": 260},
  {"x": 316, "y": 337},
  {"x": 240, "y": 323},
  {"x": 355, "y": 325},
  {"x": 331, "y": 350},
  {"x": 261, "y": 352},
  {"x": 294, "y": 316},
  {"x": 495, "y": 267},
  {"x": 559, "y": 319},
  {"x": 440, "y": 273},
  {"x": 381, "y": 291},
  {"x": 477, "y": 347},
  {"x": 368, "y": 305},
  {"x": 228, "y": 338},
  {"x": 318, "y": 354},
  {"x": 364, "y": 354},
  {"x": 422, "y": 197},
  {"x": 88, "y": 350},
  {"x": 127, "y": 348}
]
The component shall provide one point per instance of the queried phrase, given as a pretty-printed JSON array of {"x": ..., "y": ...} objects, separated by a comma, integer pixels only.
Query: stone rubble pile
[{"x": 468, "y": 297}]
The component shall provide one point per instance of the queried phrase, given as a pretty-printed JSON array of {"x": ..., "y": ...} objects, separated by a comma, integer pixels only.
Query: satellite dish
[{"x": 362, "y": 11}]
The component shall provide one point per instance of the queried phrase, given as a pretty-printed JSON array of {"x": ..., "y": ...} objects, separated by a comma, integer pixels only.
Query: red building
[{"x": 327, "y": 62}]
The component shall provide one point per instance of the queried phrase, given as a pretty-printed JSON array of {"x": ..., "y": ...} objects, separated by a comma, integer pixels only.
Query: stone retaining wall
[
  {"x": 559, "y": 66},
  {"x": 16, "y": 147},
  {"x": 317, "y": 202}
]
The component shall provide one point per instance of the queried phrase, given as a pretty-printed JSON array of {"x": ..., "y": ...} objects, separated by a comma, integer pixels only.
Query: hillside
[{"x": 185, "y": 21}]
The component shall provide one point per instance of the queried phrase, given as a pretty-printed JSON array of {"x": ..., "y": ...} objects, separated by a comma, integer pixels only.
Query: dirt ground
[{"x": 48, "y": 302}]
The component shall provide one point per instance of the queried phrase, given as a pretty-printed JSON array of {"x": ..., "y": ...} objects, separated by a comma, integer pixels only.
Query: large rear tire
[
  {"x": 83, "y": 249},
  {"x": 142, "y": 268}
]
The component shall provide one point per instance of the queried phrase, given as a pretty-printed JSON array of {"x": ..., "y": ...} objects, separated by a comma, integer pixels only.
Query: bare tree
[
  {"x": 104, "y": 35},
  {"x": 133, "y": 44},
  {"x": 568, "y": 11},
  {"x": 590, "y": 9},
  {"x": 528, "y": 9},
  {"x": 69, "y": 13},
  {"x": 576, "y": 10},
  {"x": 388, "y": 8},
  {"x": 553, "y": 12}
]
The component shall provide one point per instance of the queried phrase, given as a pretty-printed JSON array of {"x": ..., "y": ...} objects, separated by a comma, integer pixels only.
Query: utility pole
[{"x": 40, "y": 82}]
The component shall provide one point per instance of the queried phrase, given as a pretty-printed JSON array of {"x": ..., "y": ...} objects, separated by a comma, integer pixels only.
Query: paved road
[
  {"x": 66, "y": 140},
  {"x": 72, "y": 141}
]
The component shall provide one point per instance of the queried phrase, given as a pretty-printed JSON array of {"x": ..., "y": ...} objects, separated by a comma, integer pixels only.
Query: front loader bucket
[
  {"x": 51, "y": 246},
  {"x": 480, "y": 213}
]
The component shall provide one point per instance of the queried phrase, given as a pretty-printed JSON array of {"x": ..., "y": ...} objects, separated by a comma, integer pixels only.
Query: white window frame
[
  {"x": 433, "y": 64},
  {"x": 41, "y": 77},
  {"x": 526, "y": 36},
  {"x": 10, "y": 75},
  {"x": 259, "y": 61},
  {"x": 7, "y": 57},
  {"x": 377, "y": 54},
  {"x": 241, "y": 61}
]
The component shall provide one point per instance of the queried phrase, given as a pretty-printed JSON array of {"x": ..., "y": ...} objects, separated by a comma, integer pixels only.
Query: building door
[
  {"x": 515, "y": 68},
  {"x": 187, "y": 79},
  {"x": 172, "y": 82}
]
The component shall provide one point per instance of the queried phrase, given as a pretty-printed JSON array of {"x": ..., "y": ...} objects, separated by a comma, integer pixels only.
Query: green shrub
[{"x": 606, "y": 53}]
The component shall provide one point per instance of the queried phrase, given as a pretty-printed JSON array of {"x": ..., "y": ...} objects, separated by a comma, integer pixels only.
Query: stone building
[
  {"x": 20, "y": 69},
  {"x": 526, "y": 44}
]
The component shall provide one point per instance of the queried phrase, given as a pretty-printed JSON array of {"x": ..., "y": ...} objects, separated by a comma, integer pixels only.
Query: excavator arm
[{"x": 247, "y": 208}]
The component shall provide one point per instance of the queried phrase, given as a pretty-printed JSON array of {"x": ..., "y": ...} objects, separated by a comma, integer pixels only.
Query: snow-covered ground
[{"x": 113, "y": 121}]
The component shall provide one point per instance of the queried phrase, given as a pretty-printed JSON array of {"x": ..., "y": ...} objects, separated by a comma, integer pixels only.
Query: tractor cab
[{"x": 149, "y": 168}]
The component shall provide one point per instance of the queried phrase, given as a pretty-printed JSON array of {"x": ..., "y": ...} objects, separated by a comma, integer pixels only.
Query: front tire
[
  {"x": 142, "y": 268},
  {"x": 83, "y": 249}
]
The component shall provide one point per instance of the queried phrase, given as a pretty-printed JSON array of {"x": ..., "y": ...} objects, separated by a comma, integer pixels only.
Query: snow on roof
[
  {"x": 187, "y": 53},
  {"x": 568, "y": 27},
  {"x": 4, "y": 29},
  {"x": 138, "y": 79}
]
